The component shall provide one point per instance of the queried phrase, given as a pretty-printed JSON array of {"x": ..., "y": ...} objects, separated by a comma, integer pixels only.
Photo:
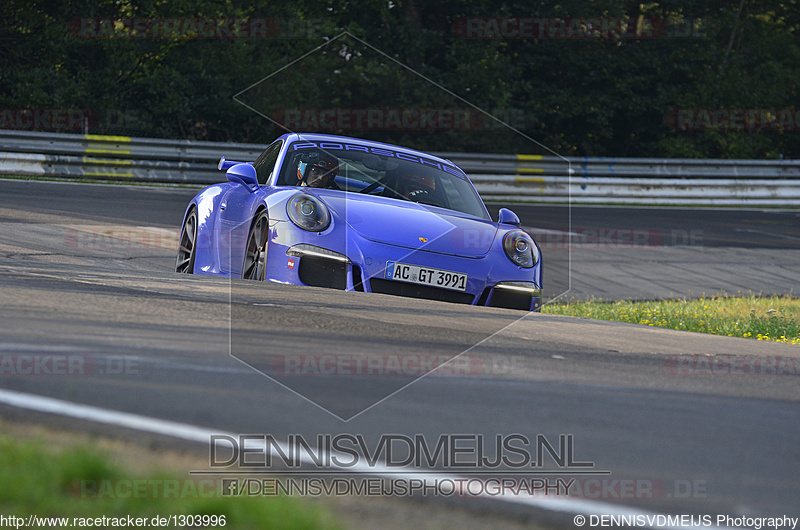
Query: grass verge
[
  {"x": 770, "y": 318},
  {"x": 81, "y": 482}
]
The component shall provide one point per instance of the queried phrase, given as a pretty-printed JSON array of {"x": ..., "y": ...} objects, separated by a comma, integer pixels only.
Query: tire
[
  {"x": 255, "y": 254},
  {"x": 187, "y": 246}
]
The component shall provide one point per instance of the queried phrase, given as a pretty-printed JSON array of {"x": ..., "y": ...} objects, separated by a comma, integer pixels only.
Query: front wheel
[
  {"x": 255, "y": 255},
  {"x": 187, "y": 248}
]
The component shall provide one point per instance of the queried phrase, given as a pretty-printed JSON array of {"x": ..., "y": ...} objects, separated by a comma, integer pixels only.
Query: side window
[
  {"x": 454, "y": 198},
  {"x": 265, "y": 164}
]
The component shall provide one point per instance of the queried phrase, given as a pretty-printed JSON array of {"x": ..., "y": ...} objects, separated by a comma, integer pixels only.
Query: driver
[
  {"x": 417, "y": 187},
  {"x": 318, "y": 172}
]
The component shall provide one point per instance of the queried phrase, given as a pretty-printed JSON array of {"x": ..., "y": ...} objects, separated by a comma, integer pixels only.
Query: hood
[{"x": 412, "y": 225}]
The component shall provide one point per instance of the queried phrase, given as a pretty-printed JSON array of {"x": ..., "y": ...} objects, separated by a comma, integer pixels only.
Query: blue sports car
[{"x": 357, "y": 215}]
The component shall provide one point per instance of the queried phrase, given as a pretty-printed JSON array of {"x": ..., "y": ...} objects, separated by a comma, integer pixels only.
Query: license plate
[{"x": 403, "y": 272}]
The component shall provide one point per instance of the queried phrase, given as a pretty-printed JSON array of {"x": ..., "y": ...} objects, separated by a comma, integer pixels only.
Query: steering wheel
[{"x": 419, "y": 196}]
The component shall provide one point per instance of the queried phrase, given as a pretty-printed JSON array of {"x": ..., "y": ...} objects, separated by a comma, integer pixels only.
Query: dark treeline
[{"x": 694, "y": 78}]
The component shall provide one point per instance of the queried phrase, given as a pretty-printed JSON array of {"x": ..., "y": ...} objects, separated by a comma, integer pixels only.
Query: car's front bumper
[{"x": 360, "y": 265}]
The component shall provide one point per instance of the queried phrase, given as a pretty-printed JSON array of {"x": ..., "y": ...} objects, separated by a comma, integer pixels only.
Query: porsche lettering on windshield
[{"x": 378, "y": 151}]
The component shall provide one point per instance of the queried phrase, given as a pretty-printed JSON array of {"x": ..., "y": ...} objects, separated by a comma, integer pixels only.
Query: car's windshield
[{"x": 396, "y": 175}]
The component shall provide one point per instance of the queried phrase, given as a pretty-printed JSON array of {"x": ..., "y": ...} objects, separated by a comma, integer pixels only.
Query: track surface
[{"x": 167, "y": 340}]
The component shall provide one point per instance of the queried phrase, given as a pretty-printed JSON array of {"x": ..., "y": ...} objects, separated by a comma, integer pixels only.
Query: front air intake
[
  {"x": 410, "y": 290},
  {"x": 321, "y": 272}
]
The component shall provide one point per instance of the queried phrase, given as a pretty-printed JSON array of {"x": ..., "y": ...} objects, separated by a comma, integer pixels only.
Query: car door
[
  {"x": 235, "y": 217},
  {"x": 237, "y": 207}
]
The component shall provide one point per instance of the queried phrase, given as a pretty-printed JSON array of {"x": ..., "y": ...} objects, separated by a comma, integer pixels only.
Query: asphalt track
[{"x": 86, "y": 274}]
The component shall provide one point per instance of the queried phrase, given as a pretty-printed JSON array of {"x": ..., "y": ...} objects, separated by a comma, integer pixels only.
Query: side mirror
[
  {"x": 225, "y": 165},
  {"x": 243, "y": 174},
  {"x": 507, "y": 217}
]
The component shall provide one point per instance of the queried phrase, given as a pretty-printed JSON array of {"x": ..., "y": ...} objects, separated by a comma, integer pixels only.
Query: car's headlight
[
  {"x": 521, "y": 249},
  {"x": 308, "y": 213}
]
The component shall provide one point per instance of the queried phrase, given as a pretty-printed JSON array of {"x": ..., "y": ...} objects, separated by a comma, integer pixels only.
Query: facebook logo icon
[{"x": 229, "y": 486}]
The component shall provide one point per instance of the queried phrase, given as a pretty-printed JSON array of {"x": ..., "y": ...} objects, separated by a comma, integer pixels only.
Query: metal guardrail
[
  {"x": 529, "y": 178},
  {"x": 117, "y": 157}
]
